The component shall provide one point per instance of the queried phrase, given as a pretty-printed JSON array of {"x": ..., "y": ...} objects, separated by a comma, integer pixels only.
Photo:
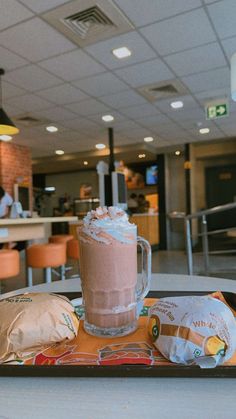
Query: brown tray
[{"x": 177, "y": 371}]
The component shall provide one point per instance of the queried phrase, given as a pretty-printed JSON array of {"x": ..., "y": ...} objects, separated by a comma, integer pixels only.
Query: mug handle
[{"x": 146, "y": 268}]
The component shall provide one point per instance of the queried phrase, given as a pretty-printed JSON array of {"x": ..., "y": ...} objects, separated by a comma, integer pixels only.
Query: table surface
[
  {"x": 111, "y": 398},
  {"x": 36, "y": 220}
]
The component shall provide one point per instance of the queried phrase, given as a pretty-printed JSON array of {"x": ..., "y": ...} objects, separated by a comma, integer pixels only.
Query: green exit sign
[{"x": 217, "y": 111}]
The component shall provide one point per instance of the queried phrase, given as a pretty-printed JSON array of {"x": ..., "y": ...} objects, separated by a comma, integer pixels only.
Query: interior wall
[
  {"x": 15, "y": 167},
  {"x": 208, "y": 155},
  {"x": 175, "y": 200},
  {"x": 69, "y": 184}
]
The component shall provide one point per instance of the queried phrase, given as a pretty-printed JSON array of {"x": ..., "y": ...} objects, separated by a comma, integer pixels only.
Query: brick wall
[{"x": 15, "y": 162}]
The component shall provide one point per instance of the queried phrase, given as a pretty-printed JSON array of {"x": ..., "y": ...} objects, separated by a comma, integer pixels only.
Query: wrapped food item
[
  {"x": 193, "y": 330},
  {"x": 30, "y": 322}
]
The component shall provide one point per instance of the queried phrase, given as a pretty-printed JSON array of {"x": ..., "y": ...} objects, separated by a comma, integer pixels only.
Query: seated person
[
  {"x": 132, "y": 203},
  {"x": 5, "y": 203},
  {"x": 143, "y": 204}
]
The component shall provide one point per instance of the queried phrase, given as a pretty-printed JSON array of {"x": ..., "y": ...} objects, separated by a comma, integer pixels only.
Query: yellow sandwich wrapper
[
  {"x": 32, "y": 322},
  {"x": 198, "y": 330}
]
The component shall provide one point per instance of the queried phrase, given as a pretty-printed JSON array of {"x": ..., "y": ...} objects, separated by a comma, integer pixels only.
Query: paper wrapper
[
  {"x": 193, "y": 330},
  {"x": 32, "y": 322}
]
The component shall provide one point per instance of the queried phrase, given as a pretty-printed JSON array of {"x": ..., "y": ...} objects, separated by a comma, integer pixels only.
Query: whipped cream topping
[{"x": 106, "y": 223}]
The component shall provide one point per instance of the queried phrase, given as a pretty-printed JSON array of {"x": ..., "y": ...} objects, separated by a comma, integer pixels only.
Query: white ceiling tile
[
  {"x": 223, "y": 15},
  {"x": 12, "y": 12},
  {"x": 11, "y": 61},
  {"x": 11, "y": 110},
  {"x": 164, "y": 105},
  {"x": 29, "y": 103},
  {"x": 229, "y": 46},
  {"x": 169, "y": 128},
  {"x": 101, "y": 85},
  {"x": 186, "y": 114},
  {"x": 141, "y": 51},
  {"x": 192, "y": 61},
  {"x": 32, "y": 78},
  {"x": 209, "y": 80},
  {"x": 88, "y": 107},
  {"x": 8, "y": 90},
  {"x": 63, "y": 94},
  {"x": 41, "y": 129},
  {"x": 139, "y": 134},
  {"x": 144, "y": 12},
  {"x": 126, "y": 126},
  {"x": 145, "y": 73},
  {"x": 227, "y": 120},
  {"x": 229, "y": 130},
  {"x": 73, "y": 65},
  {"x": 214, "y": 133},
  {"x": 40, "y": 6},
  {"x": 129, "y": 98},
  {"x": 98, "y": 119},
  {"x": 179, "y": 33},
  {"x": 154, "y": 121},
  {"x": 81, "y": 124},
  {"x": 42, "y": 43},
  {"x": 56, "y": 114},
  {"x": 232, "y": 106},
  {"x": 140, "y": 111},
  {"x": 209, "y": 95}
]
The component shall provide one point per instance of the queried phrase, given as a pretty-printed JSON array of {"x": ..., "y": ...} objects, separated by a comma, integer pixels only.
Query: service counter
[
  {"x": 148, "y": 226},
  {"x": 20, "y": 229}
]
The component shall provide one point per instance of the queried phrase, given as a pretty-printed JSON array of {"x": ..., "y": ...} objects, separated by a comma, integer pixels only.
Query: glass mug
[{"x": 111, "y": 287}]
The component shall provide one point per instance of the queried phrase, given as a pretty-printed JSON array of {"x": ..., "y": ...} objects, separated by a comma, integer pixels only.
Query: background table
[
  {"x": 113, "y": 398},
  {"x": 18, "y": 229}
]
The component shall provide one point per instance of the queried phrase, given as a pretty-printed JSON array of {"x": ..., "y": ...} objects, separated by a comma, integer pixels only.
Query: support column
[
  {"x": 162, "y": 201},
  {"x": 187, "y": 168},
  {"x": 107, "y": 179}
]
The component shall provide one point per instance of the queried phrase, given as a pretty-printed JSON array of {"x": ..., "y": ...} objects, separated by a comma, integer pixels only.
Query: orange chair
[
  {"x": 65, "y": 239},
  {"x": 9, "y": 263},
  {"x": 73, "y": 249},
  {"x": 46, "y": 256},
  {"x": 60, "y": 238}
]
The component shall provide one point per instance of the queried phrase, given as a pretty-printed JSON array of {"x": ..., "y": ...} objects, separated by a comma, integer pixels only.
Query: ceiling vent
[
  {"x": 88, "y": 21},
  {"x": 29, "y": 121},
  {"x": 164, "y": 90}
]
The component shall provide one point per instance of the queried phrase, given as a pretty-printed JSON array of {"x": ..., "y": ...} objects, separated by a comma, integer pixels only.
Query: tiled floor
[{"x": 162, "y": 261}]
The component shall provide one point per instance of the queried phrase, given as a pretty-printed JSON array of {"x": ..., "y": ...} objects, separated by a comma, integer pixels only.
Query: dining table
[{"x": 121, "y": 397}]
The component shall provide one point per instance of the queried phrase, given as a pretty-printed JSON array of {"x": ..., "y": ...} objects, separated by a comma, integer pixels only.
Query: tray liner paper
[{"x": 136, "y": 348}]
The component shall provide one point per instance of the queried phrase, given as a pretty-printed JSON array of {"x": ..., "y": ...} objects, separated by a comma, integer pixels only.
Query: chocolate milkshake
[{"x": 108, "y": 266}]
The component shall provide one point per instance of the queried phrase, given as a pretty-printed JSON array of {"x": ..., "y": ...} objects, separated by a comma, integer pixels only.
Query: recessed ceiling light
[
  {"x": 5, "y": 137},
  {"x": 108, "y": 118},
  {"x": 177, "y": 153},
  {"x": 49, "y": 188},
  {"x": 142, "y": 156},
  {"x": 204, "y": 130},
  {"x": 148, "y": 139},
  {"x": 51, "y": 128},
  {"x": 59, "y": 152},
  {"x": 100, "y": 146},
  {"x": 177, "y": 105},
  {"x": 85, "y": 163},
  {"x": 122, "y": 52}
]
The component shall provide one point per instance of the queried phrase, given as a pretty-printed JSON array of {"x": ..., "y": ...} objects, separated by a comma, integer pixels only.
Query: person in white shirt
[{"x": 5, "y": 203}]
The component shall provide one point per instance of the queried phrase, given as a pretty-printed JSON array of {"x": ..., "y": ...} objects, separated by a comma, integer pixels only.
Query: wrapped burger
[
  {"x": 193, "y": 330},
  {"x": 31, "y": 322}
]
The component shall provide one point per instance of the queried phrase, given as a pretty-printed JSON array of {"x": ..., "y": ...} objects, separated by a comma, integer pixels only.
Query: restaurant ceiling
[{"x": 52, "y": 81}]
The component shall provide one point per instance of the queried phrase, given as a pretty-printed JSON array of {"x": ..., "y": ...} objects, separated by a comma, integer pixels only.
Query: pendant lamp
[{"x": 7, "y": 127}]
